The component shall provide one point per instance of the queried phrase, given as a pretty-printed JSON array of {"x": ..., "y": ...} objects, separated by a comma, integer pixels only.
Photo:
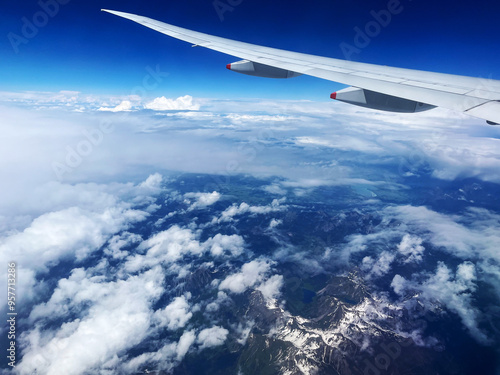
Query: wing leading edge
[{"x": 474, "y": 96}]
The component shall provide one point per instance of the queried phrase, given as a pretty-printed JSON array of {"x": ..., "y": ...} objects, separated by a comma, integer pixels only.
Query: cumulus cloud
[
  {"x": 219, "y": 244},
  {"x": 411, "y": 247},
  {"x": 124, "y": 106},
  {"x": 234, "y": 210},
  {"x": 210, "y": 337},
  {"x": 270, "y": 288},
  {"x": 251, "y": 273},
  {"x": 89, "y": 303},
  {"x": 474, "y": 233},
  {"x": 243, "y": 331},
  {"x": 471, "y": 237},
  {"x": 274, "y": 189},
  {"x": 454, "y": 291},
  {"x": 118, "y": 318},
  {"x": 378, "y": 267},
  {"x": 215, "y": 305},
  {"x": 70, "y": 232},
  {"x": 376, "y": 137},
  {"x": 243, "y": 119},
  {"x": 164, "y": 247},
  {"x": 117, "y": 244},
  {"x": 152, "y": 183},
  {"x": 179, "y": 104},
  {"x": 174, "y": 243},
  {"x": 202, "y": 200},
  {"x": 358, "y": 243},
  {"x": 176, "y": 314},
  {"x": 165, "y": 358},
  {"x": 85, "y": 217},
  {"x": 274, "y": 223}
]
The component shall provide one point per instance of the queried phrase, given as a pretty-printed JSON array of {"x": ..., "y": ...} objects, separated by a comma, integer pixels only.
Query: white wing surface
[{"x": 379, "y": 87}]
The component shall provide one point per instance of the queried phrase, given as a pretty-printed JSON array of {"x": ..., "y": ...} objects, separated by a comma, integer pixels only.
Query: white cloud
[
  {"x": 274, "y": 223},
  {"x": 174, "y": 243},
  {"x": 219, "y": 244},
  {"x": 274, "y": 189},
  {"x": 399, "y": 284},
  {"x": 378, "y": 267},
  {"x": 359, "y": 243},
  {"x": 118, "y": 318},
  {"x": 317, "y": 182},
  {"x": 234, "y": 210},
  {"x": 71, "y": 234},
  {"x": 239, "y": 118},
  {"x": 342, "y": 142},
  {"x": 270, "y": 288},
  {"x": 165, "y": 358},
  {"x": 475, "y": 233},
  {"x": 188, "y": 145},
  {"x": 411, "y": 247},
  {"x": 164, "y": 247},
  {"x": 210, "y": 337},
  {"x": 187, "y": 339},
  {"x": 251, "y": 273},
  {"x": 244, "y": 331},
  {"x": 152, "y": 183},
  {"x": 179, "y": 104},
  {"x": 202, "y": 200},
  {"x": 118, "y": 242},
  {"x": 176, "y": 314},
  {"x": 471, "y": 236},
  {"x": 124, "y": 106},
  {"x": 215, "y": 305},
  {"x": 80, "y": 220},
  {"x": 452, "y": 291}
]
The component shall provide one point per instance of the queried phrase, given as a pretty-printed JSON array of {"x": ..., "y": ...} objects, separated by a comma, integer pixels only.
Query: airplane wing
[{"x": 373, "y": 86}]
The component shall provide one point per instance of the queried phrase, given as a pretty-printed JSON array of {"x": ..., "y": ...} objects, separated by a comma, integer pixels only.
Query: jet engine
[
  {"x": 377, "y": 100},
  {"x": 260, "y": 70}
]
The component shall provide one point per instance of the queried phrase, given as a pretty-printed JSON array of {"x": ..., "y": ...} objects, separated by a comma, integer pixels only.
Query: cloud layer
[{"x": 137, "y": 228}]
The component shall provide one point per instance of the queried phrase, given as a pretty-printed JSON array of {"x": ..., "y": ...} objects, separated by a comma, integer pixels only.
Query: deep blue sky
[{"x": 86, "y": 50}]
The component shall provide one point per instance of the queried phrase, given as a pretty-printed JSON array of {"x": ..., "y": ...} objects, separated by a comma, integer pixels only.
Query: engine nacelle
[
  {"x": 377, "y": 100},
  {"x": 260, "y": 70}
]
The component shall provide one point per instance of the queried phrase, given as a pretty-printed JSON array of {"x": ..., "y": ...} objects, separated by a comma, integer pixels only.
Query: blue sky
[
  {"x": 88, "y": 170},
  {"x": 83, "y": 49}
]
